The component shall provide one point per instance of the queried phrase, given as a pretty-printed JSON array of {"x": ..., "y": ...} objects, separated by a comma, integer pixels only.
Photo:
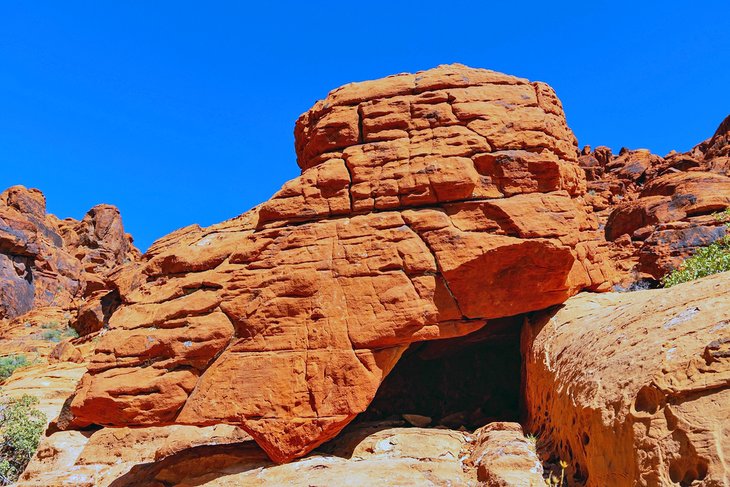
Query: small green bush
[
  {"x": 70, "y": 333},
  {"x": 51, "y": 335},
  {"x": 706, "y": 261},
  {"x": 723, "y": 216},
  {"x": 21, "y": 427},
  {"x": 10, "y": 363},
  {"x": 55, "y": 336}
]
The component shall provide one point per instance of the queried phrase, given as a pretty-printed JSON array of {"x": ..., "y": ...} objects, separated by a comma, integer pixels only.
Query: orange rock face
[
  {"x": 634, "y": 388},
  {"x": 428, "y": 204},
  {"x": 659, "y": 210},
  {"x": 45, "y": 261},
  {"x": 672, "y": 217}
]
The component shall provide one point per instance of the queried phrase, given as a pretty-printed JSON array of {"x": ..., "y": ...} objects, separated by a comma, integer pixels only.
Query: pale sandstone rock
[
  {"x": 634, "y": 388},
  {"x": 100, "y": 458},
  {"x": 52, "y": 384},
  {"x": 366, "y": 455},
  {"x": 28, "y": 334},
  {"x": 503, "y": 457}
]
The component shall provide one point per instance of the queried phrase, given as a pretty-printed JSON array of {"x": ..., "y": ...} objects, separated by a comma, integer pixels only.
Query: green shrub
[
  {"x": 723, "y": 216},
  {"x": 21, "y": 426},
  {"x": 10, "y": 363},
  {"x": 707, "y": 261},
  {"x": 51, "y": 335},
  {"x": 70, "y": 333},
  {"x": 56, "y": 336}
]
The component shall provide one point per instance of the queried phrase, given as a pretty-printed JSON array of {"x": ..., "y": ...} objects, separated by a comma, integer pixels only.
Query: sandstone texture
[
  {"x": 45, "y": 261},
  {"x": 34, "y": 334},
  {"x": 634, "y": 388},
  {"x": 439, "y": 271},
  {"x": 364, "y": 455},
  {"x": 101, "y": 458},
  {"x": 51, "y": 384},
  {"x": 428, "y": 204},
  {"x": 659, "y": 210}
]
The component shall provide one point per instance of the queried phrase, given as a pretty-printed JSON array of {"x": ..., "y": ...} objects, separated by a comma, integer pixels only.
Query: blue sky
[{"x": 182, "y": 112}]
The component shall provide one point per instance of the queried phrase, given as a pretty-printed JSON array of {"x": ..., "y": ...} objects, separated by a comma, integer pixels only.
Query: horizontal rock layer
[{"x": 428, "y": 204}]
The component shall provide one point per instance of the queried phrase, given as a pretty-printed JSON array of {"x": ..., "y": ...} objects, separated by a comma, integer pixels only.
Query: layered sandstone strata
[
  {"x": 659, "y": 210},
  {"x": 428, "y": 204}
]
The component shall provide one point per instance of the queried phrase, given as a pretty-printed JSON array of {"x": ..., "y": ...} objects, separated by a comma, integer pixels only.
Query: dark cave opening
[{"x": 460, "y": 382}]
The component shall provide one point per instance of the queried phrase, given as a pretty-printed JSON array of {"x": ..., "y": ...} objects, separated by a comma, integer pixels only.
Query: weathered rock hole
[
  {"x": 648, "y": 400},
  {"x": 686, "y": 472},
  {"x": 468, "y": 381}
]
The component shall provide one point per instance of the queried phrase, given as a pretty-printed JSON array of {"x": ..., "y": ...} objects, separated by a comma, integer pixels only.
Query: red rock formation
[
  {"x": 714, "y": 153},
  {"x": 98, "y": 241},
  {"x": 634, "y": 388},
  {"x": 47, "y": 262},
  {"x": 672, "y": 217},
  {"x": 428, "y": 204},
  {"x": 659, "y": 210}
]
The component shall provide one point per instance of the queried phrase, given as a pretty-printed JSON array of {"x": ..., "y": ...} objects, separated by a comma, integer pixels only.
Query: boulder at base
[{"x": 634, "y": 388}]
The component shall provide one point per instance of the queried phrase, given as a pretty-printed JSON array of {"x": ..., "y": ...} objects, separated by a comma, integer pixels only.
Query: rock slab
[{"x": 634, "y": 388}]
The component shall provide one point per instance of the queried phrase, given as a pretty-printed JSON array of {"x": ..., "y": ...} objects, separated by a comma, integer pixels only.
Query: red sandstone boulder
[
  {"x": 428, "y": 204},
  {"x": 65, "y": 352},
  {"x": 672, "y": 217}
]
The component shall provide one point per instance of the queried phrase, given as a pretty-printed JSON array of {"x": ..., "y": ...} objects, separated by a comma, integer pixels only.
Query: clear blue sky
[{"x": 182, "y": 112}]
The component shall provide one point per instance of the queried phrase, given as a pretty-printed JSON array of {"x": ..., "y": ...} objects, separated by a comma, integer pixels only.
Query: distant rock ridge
[
  {"x": 657, "y": 211},
  {"x": 45, "y": 261}
]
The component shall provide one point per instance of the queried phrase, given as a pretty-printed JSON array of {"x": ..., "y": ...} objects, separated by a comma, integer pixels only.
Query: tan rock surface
[
  {"x": 364, "y": 455},
  {"x": 428, "y": 204},
  {"x": 100, "y": 458},
  {"x": 52, "y": 384},
  {"x": 634, "y": 388},
  {"x": 35, "y": 334}
]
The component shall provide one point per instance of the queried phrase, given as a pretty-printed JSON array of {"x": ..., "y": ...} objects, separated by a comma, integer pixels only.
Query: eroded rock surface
[
  {"x": 364, "y": 455},
  {"x": 428, "y": 204},
  {"x": 45, "y": 261},
  {"x": 657, "y": 211},
  {"x": 634, "y": 388},
  {"x": 100, "y": 458}
]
